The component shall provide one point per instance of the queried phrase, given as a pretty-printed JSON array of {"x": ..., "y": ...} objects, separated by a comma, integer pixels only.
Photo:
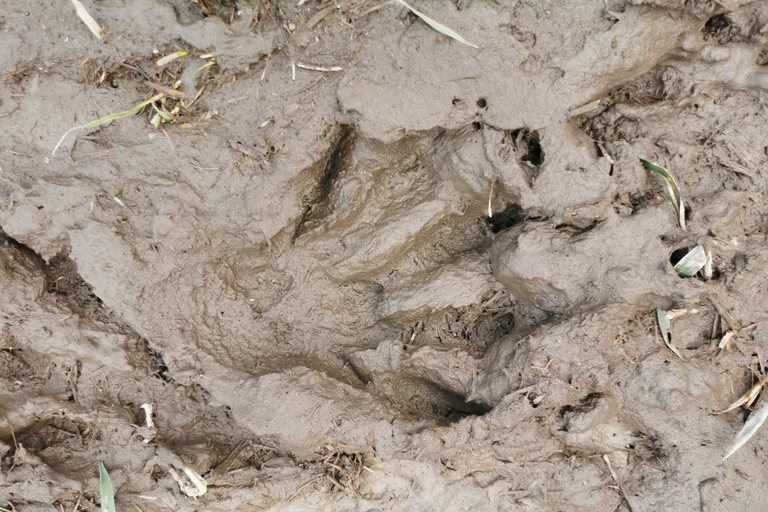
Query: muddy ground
[{"x": 302, "y": 276}]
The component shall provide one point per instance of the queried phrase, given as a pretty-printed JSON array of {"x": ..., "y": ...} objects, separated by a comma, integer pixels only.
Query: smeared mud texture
[{"x": 302, "y": 276}]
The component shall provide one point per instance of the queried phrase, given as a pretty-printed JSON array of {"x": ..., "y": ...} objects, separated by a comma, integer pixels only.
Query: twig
[
  {"x": 616, "y": 479},
  {"x": 324, "y": 69}
]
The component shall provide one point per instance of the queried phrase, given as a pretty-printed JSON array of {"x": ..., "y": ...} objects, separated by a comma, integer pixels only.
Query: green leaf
[
  {"x": 664, "y": 326},
  {"x": 106, "y": 491},
  {"x": 672, "y": 189},
  {"x": 691, "y": 262},
  {"x": 437, "y": 26}
]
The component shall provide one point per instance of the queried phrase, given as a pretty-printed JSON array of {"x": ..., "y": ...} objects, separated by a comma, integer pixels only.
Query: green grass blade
[
  {"x": 162, "y": 113},
  {"x": 692, "y": 262},
  {"x": 110, "y": 117},
  {"x": 437, "y": 26},
  {"x": 664, "y": 326},
  {"x": 672, "y": 189},
  {"x": 106, "y": 491}
]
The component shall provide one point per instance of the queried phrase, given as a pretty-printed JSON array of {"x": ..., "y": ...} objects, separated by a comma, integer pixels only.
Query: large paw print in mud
[{"x": 392, "y": 243}]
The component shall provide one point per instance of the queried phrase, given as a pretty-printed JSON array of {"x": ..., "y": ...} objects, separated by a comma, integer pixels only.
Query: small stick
[
  {"x": 490, "y": 196},
  {"x": 77, "y": 503},
  {"x": 324, "y": 69},
  {"x": 169, "y": 91},
  {"x": 266, "y": 63},
  {"x": 311, "y": 85},
  {"x": 374, "y": 9},
  {"x": 616, "y": 479},
  {"x": 335, "y": 482},
  {"x": 148, "y": 412}
]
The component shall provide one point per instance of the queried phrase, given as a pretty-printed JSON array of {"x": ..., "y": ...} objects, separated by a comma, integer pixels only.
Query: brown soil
[{"x": 302, "y": 277}]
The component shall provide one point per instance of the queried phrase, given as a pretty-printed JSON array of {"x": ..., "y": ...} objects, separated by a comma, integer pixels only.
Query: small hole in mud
[
  {"x": 428, "y": 399},
  {"x": 456, "y": 101},
  {"x": 511, "y": 216},
  {"x": 477, "y": 125},
  {"x": 678, "y": 254},
  {"x": 481, "y": 103},
  {"x": 716, "y": 23},
  {"x": 535, "y": 155}
]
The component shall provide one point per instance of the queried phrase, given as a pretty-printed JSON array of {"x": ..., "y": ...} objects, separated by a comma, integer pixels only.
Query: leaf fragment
[
  {"x": 105, "y": 490},
  {"x": 664, "y": 324},
  {"x": 437, "y": 26},
  {"x": 692, "y": 262},
  {"x": 754, "y": 422},
  {"x": 91, "y": 23},
  {"x": 672, "y": 189}
]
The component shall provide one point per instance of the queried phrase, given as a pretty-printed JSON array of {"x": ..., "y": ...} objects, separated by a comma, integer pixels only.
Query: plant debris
[
  {"x": 754, "y": 422},
  {"x": 91, "y": 23},
  {"x": 664, "y": 324},
  {"x": 672, "y": 189},
  {"x": 169, "y": 58},
  {"x": 692, "y": 262},
  {"x": 437, "y": 26},
  {"x": 193, "y": 485},
  {"x": 747, "y": 399}
]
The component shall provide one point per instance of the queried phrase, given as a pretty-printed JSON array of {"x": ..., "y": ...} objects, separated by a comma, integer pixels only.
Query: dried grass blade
[
  {"x": 169, "y": 58},
  {"x": 672, "y": 189},
  {"x": 748, "y": 430},
  {"x": 91, "y": 23},
  {"x": 197, "y": 480},
  {"x": 437, "y": 26},
  {"x": 106, "y": 119},
  {"x": 664, "y": 325},
  {"x": 725, "y": 342},
  {"x": 746, "y": 399}
]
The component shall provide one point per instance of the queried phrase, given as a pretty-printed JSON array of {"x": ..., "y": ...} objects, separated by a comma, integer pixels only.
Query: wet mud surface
[{"x": 303, "y": 278}]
